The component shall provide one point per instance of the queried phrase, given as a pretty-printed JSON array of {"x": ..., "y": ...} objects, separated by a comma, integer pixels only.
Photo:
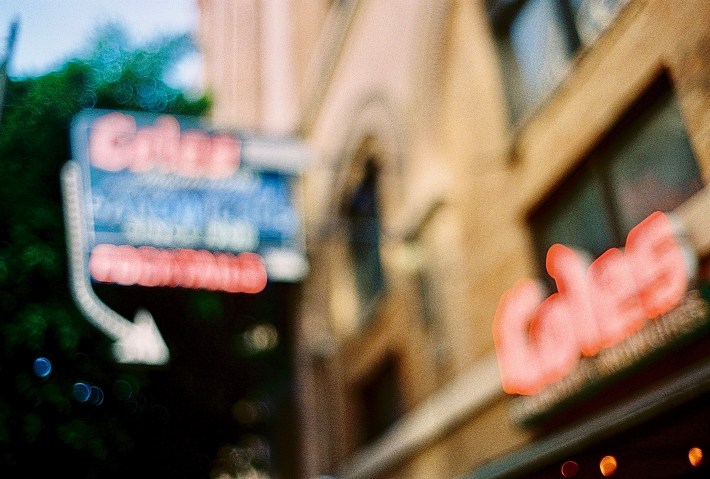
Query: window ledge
[{"x": 647, "y": 404}]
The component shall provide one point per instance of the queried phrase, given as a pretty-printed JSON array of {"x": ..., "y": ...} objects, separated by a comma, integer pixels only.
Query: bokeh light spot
[
  {"x": 695, "y": 456},
  {"x": 122, "y": 390},
  {"x": 42, "y": 367},
  {"x": 249, "y": 411},
  {"x": 260, "y": 338},
  {"x": 569, "y": 469},
  {"x": 81, "y": 391},
  {"x": 608, "y": 466},
  {"x": 96, "y": 396}
]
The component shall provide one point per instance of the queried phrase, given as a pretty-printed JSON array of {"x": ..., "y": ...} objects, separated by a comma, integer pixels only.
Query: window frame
[
  {"x": 658, "y": 98},
  {"x": 580, "y": 27}
]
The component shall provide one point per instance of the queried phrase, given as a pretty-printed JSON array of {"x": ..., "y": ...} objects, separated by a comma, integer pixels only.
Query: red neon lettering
[
  {"x": 516, "y": 355},
  {"x": 552, "y": 334},
  {"x": 658, "y": 264},
  {"x": 225, "y": 156},
  {"x": 115, "y": 143},
  {"x": 127, "y": 269},
  {"x": 110, "y": 141},
  {"x": 614, "y": 294},
  {"x": 569, "y": 270},
  {"x": 151, "y": 271},
  {"x": 186, "y": 268},
  {"x": 539, "y": 342},
  {"x": 156, "y": 146}
]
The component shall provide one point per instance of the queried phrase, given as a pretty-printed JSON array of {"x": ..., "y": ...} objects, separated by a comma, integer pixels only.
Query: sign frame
[{"x": 264, "y": 166}]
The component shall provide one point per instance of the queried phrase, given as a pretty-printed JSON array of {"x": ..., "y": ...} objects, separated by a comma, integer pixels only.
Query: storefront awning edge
[{"x": 692, "y": 383}]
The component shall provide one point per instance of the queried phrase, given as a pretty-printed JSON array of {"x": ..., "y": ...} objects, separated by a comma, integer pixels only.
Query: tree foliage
[{"x": 46, "y": 425}]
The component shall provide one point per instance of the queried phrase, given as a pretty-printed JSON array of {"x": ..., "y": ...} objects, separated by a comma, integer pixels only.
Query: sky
[{"x": 52, "y": 31}]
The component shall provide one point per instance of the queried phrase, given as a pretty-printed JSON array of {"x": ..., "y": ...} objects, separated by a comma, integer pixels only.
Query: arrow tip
[{"x": 141, "y": 342}]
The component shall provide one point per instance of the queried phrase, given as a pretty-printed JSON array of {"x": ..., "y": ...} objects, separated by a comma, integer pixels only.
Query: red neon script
[
  {"x": 539, "y": 341},
  {"x": 186, "y": 268},
  {"x": 115, "y": 143}
]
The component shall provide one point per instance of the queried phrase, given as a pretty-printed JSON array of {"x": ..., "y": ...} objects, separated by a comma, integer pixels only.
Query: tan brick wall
[{"x": 417, "y": 83}]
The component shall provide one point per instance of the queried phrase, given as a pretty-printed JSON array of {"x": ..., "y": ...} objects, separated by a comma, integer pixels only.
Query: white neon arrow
[{"x": 137, "y": 341}]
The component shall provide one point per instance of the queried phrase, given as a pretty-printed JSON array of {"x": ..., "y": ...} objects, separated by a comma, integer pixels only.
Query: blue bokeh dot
[
  {"x": 96, "y": 396},
  {"x": 42, "y": 367},
  {"x": 81, "y": 391}
]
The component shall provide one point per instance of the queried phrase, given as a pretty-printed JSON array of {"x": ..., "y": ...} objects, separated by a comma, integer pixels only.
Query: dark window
[
  {"x": 537, "y": 40},
  {"x": 427, "y": 294},
  {"x": 645, "y": 164},
  {"x": 363, "y": 220},
  {"x": 650, "y": 162},
  {"x": 381, "y": 401},
  {"x": 578, "y": 215}
]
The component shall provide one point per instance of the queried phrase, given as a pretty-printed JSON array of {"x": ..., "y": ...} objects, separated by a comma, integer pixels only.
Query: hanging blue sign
[{"x": 168, "y": 202}]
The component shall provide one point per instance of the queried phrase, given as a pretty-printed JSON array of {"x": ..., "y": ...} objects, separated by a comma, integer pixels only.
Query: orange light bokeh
[
  {"x": 608, "y": 466},
  {"x": 695, "y": 456}
]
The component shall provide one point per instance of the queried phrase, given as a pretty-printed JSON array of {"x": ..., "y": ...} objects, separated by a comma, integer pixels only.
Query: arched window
[{"x": 363, "y": 227}]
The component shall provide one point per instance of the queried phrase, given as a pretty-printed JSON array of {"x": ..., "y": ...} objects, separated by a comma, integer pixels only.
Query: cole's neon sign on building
[
  {"x": 168, "y": 202},
  {"x": 540, "y": 341}
]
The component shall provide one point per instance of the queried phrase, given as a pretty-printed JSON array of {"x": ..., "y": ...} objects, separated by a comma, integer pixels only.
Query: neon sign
[
  {"x": 116, "y": 143},
  {"x": 148, "y": 266},
  {"x": 538, "y": 342},
  {"x": 158, "y": 186},
  {"x": 161, "y": 201}
]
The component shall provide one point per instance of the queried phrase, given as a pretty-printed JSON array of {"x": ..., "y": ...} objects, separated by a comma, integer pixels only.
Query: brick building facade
[{"x": 453, "y": 143}]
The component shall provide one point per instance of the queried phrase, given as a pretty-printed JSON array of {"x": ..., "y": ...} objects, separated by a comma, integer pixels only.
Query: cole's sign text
[
  {"x": 170, "y": 203},
  {"x": 539, "y": 341}
]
